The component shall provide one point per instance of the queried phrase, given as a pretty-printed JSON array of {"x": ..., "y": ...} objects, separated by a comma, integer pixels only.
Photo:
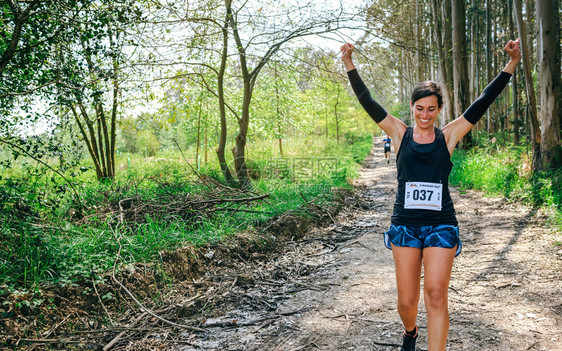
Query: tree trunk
[
  {"x": 530, "y": 27},
  {"x": 514, "y": 80},
  {"x": 473, "y": 73},
  {"x": 548, "y": 52},
  {"x": 529, "y": 87},
  {"x": 401, "y": 88},
  {"x": 240, "y": 146},
  {"x": 529, "y": 11},
  {"x": 326, "y": 112},
  {"x": 89, "y": 139},
  {"x": 460, "y": 70},
  {"x": 243, "y": 123},
  {"x": 278, "y": 112},
  {"x": 488, "y": 57},
  {"x": 102, "y": 144},
  {"x": 419, "y": 46},
  {"x": 447, "y": 55},
  {"x": 99, "y": 119},
  {"x": 114, "y": 107},
  {"x": 206, "y": 140},
  {"x": 97, "y": 139},
  {"x": 222, "y": 105},
  {"x": 336, "y": 116},
  {"x": 198, "y": 142},
  {"x": 516, "y": 115},
  {"x": 442, "y": 59}
]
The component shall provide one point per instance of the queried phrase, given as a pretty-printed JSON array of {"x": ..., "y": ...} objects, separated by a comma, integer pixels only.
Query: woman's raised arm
[
  {"x": 458, "y": 128},
  {"x": 391, "y": 125}
]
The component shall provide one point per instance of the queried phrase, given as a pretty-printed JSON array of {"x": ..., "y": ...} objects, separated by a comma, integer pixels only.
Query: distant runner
[
  {"x": 424, "y": 228},
  {"x": 387, "y": 142}
]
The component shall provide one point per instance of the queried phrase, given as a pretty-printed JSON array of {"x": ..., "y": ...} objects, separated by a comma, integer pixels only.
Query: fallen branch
[
  {"x": 101, "y": 302},
  {"x": 311, "y": 202},
  {"x": 121, "y": 218},
  {"x": 46, "y": 335},
  {"x": 216, "y": 201},
  {"x": 120, "y": 335},
  {"x": 145, "y": 309},
  {"x": 119, "y": 329},
  {"x": 180, "y": 207},
  {"x": 52, "y": 341},
  {"x": 239, "y": 210}
]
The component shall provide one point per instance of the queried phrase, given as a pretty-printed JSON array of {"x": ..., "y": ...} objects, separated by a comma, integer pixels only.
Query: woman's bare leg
[
  {"x": 438, "y": 264},
  {"x": 408, "y": 263}
]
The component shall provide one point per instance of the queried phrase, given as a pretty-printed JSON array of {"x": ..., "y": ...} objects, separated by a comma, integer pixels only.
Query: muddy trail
[{"x": 333, "y": 287}]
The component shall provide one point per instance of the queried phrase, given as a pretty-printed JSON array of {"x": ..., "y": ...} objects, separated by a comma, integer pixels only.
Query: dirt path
[{"x": 335, "y": 289}]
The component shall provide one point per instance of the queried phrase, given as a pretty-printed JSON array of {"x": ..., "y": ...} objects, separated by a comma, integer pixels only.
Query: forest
[{"x": 134, "y": 131}]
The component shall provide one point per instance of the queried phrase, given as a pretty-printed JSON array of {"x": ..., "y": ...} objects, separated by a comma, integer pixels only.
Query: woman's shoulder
[{"x": 440, "y": 136}]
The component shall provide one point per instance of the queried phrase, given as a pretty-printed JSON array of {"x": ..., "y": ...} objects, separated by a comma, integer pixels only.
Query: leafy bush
[{"x": 507, "y": 172}]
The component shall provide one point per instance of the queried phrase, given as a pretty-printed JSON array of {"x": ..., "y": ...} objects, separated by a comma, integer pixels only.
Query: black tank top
[{"x": 429, "y": 163}]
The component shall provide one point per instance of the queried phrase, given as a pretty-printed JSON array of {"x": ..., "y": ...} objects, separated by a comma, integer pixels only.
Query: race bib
[{"x": 426, "y": 196}]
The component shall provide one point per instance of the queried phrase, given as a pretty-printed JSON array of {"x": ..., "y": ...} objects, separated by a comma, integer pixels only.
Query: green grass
[
  {"x": 506, "y": 171},
  {"x": 44, "y": 241}
]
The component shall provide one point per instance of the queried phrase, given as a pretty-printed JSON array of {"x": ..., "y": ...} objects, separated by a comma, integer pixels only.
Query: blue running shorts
[{"x": 444, "y": 235}]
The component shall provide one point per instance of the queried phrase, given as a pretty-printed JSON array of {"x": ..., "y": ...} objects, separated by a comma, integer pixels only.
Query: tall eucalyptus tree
[
  {"x": 548, "y": 51},
  {"x": 529, "y": 86},
  {"x": 460, "y": 70}
]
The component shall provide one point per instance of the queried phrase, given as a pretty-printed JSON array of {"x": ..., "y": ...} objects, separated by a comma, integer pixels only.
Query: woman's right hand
[{"x": 346, "y": 50}]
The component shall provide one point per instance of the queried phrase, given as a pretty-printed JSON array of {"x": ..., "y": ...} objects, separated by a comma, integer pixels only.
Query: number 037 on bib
[{"x": 425, "y": 196}]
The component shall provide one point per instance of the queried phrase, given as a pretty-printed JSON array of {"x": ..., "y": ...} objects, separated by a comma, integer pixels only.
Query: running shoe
[{"x": 409, "y": 341}]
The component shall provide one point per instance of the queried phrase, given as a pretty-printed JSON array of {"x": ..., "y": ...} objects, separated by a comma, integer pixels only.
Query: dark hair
[{"x": 425, "y": 89}]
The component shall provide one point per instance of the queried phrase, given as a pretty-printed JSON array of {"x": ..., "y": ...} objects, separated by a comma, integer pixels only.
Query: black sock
[{"x": 413, "y": 332}]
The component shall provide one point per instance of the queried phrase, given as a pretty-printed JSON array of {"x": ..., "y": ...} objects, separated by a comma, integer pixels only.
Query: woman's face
[{"x": 426, "y": 111}]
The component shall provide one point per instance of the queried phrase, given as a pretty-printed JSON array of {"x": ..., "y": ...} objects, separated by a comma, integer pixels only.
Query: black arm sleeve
[
  {"x": 477, "y": 109},
  {"x": 376, "y": 111}
]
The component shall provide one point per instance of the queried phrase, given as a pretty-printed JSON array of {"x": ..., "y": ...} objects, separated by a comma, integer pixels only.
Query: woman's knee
[
  {"x": 435, "y": 298},
  {"x": 408, "y": 302}
]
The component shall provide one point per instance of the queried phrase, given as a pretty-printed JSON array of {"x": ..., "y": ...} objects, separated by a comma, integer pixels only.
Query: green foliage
[
  {"x": 149, "y": 142},
  {"x": 34, "y": 28},
  {"x": 43, "y": 240},
  {"x": 401, "y": 111},
  {"x": 506, "y": 171},
  {"x": 128, "y": 135},
  {"x": 301, "y": 103}
]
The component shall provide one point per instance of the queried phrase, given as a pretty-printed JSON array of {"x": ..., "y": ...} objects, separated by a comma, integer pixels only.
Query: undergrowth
[
  {"x": 46, "y": 238},
  {"x": 507, "y": 171}
]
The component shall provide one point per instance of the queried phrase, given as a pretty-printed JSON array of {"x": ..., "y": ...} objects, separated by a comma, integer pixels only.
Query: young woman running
[{"x": 424, "y": 228}]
